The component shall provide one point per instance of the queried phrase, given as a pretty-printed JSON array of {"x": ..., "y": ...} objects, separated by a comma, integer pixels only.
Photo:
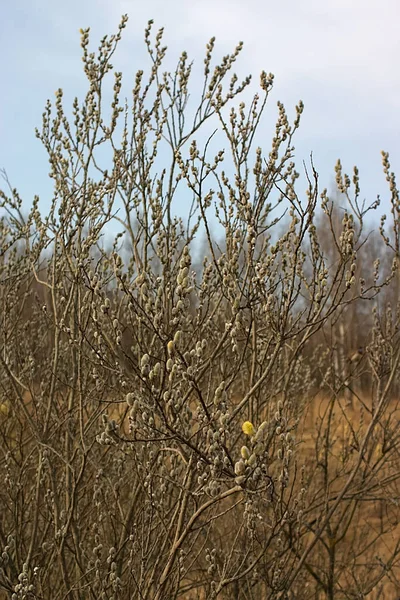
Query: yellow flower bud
[
  {"x": 177, "y": 336},
  {"x": 245, "y": 452},
  {"x": 248, "y": 428}
]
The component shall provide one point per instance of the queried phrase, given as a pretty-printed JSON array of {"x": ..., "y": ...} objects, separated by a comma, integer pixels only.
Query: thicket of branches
[{"x": 182, "y": 428}]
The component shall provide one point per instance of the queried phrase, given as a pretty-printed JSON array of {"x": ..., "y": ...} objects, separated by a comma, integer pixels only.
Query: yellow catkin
[{"x": 248, "y": 428}]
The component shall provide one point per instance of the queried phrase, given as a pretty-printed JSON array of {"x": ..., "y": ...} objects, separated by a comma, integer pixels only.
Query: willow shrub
[{"x": 156, "y": 389}]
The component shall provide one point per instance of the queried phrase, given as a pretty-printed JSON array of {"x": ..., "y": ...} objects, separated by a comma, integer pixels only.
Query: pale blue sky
[{"x": 339, "y": 56}]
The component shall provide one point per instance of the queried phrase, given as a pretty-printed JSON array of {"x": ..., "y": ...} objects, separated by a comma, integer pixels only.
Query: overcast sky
[{"x": 341, "y": 57}]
